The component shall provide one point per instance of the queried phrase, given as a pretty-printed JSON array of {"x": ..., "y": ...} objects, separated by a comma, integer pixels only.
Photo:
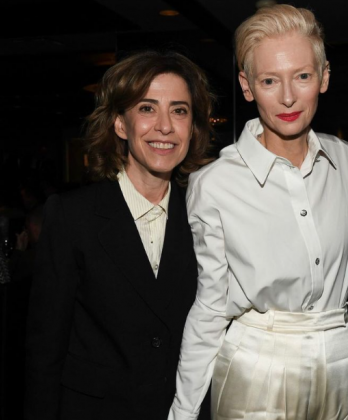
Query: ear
[
  {"x": 244, "y": 83},
  {"x": 120, "y": 127},
  {"x": 325, "y": 79}
]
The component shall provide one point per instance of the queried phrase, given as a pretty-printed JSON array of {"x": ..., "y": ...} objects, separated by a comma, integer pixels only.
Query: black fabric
[{"x": 103, "y": 333}]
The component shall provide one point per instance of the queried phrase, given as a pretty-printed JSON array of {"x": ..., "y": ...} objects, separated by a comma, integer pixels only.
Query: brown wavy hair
[{"x": 122, "y": 87}]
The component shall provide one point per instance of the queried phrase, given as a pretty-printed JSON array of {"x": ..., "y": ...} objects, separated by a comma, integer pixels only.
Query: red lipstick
[{"x": 289, "y": 117}]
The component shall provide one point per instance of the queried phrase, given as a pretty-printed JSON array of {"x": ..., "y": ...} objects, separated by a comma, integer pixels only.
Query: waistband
[{"x": 292, "y": 322}]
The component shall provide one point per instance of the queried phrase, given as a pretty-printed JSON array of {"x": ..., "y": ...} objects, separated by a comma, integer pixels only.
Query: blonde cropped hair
[{"x": 273, "y": 21}]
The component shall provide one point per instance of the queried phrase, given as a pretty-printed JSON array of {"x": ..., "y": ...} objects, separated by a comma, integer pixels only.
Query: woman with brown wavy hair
[
  {"x": 123, "y": 86},
  {"x": 116, "y": 271}
]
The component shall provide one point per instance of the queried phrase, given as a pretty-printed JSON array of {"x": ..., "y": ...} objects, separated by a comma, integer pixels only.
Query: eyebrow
[
  {"x": 274, "y": 73},
  {"x": 156, "y": 102}
]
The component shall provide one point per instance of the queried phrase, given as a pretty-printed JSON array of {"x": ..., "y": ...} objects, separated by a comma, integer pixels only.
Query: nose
[
  {"x": 164, "y": 123},
  {"x": 288, "y": 94}
]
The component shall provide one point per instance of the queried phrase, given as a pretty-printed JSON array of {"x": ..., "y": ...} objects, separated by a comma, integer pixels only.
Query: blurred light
[
  {"x": 169, "y": 13},
  {"x": 217, "y": 120}
]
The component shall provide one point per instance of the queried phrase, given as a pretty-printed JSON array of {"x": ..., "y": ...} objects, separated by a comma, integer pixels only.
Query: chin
[
  {"x": 165, "y": 168},
  {"x": 291, "y": 131},
  {"x": 164, "y": 173}
]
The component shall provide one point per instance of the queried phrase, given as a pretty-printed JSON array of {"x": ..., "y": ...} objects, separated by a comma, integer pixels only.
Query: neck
[
  {"x": 150, "y": 186},
  {"x": 293, "y": 148}
]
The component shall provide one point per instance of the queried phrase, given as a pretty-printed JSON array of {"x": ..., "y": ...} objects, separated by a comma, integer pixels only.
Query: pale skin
[
  {"x": 285, "y": 84},
  {"x": 158, "y": 130}
]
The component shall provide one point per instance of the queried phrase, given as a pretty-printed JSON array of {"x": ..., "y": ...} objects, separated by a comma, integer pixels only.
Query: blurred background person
[{"x": 23, "y": 256}]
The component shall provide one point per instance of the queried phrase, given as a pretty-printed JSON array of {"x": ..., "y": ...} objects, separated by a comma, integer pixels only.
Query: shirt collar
[
  {"x": 260, "y": 161},
  {"x": 137, "y": 203},
  {"x": 257, "y": 158},
  {"x": 315, "y": 149}
]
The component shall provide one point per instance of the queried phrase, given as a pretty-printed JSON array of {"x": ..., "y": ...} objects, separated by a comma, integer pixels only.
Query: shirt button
[
  {"x": 303, "y": 213},
  {"x": 317, "y": 261},
  {"x": 156, "y": 266},
  {"x": 311, "y": 308}
]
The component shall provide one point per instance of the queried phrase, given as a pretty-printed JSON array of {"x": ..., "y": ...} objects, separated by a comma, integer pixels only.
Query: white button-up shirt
[
  {"x": 150, "y": 219},
  {"x": 267, "y": 235}
]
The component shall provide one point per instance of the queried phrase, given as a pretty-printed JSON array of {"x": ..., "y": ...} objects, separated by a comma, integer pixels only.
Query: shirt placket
[
  {"x": 152, "y": 217},
  {"x": 304, "y": 217}
]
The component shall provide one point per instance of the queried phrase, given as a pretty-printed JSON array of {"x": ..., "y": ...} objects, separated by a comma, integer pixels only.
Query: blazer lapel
[
  {"x": 121, "y": 241},
  {"x": 177, "y": 247}
]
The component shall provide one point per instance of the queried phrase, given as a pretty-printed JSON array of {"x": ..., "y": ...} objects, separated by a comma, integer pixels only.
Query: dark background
[{"x": 54, "y": 52}]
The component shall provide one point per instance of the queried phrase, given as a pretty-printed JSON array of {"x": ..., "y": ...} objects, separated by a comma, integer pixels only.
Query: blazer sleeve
[
  {"x": 50, "y": 314},
  {"x": 207, "y": 322}
]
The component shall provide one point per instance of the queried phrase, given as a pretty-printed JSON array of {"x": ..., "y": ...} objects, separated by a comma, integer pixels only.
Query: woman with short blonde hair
[
  {"x": 270, "y": 227},
  {"x": 276, "y": 21}
]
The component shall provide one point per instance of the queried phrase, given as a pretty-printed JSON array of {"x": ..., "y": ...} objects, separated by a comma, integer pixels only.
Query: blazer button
[{"x": 156, "y": 342}]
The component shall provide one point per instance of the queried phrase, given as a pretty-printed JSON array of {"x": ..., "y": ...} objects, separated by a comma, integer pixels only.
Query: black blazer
[{"x": 103, "y": 333}]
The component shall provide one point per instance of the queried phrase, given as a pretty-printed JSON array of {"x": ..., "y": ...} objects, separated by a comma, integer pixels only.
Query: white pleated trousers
[{"x": 283, "y": 366}]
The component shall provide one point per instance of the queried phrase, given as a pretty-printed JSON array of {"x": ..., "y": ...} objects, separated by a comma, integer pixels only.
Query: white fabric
[
  {"x": 150, "y": 219},
  {"x": 275, "y": 372},
  {"x": 267, "y": 236},
  {"x": 294, "y": 322}
]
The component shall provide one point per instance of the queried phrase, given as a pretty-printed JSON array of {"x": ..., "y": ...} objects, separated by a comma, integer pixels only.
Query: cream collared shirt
[
  {"x": 267, "y": 235},
  {"x": 150, "y": 219}
]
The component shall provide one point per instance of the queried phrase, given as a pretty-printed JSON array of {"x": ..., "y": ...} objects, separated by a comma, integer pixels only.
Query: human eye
[
  {"x": 268, "y": 82},
  {"x": 146, "y": 109},
  {"x": 180, "y": 111},
  {"x": 304, "y": 76}
]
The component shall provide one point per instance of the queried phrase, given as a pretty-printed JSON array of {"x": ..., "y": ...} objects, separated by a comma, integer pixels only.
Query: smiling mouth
[
  {"x": 289, "y": 117},
  {"x": 159, "y": 145}
]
